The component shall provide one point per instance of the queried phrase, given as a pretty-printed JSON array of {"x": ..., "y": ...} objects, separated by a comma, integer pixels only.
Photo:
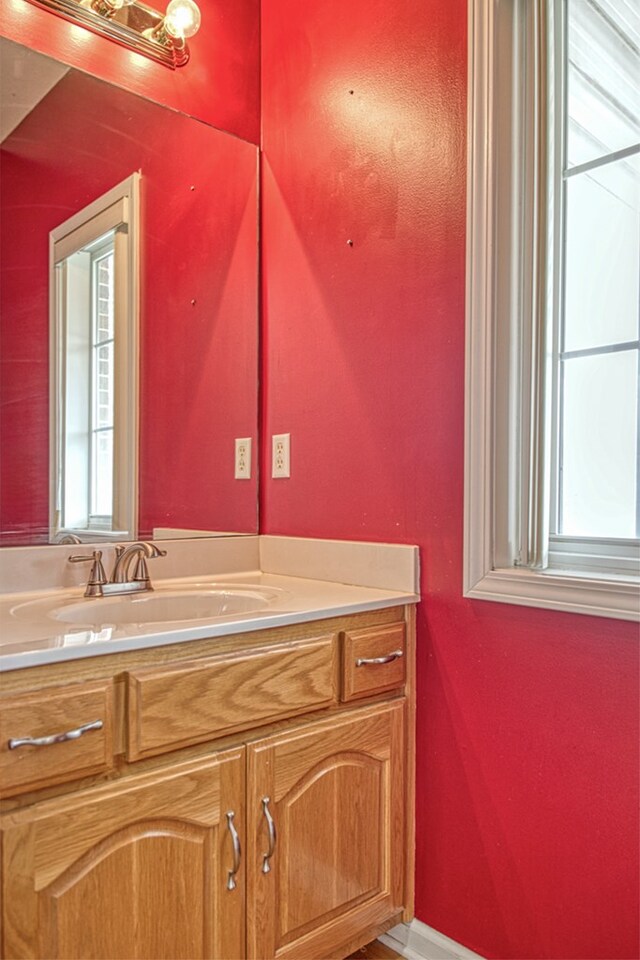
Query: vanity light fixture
[{"x": 133, "y": 24}]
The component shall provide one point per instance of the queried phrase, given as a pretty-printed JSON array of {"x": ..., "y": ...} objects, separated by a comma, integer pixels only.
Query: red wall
[
  {"x": 220, "y": 84},
  {"x": 198, "y": 362},
  {"x": 527, "y": 720}
]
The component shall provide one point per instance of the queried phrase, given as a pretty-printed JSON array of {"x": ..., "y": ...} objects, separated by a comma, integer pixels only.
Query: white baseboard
[{"x": 417, "y": 941}]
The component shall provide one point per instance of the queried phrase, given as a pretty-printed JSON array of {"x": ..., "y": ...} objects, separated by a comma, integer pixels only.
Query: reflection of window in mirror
[{"x": 94, "y": 369}]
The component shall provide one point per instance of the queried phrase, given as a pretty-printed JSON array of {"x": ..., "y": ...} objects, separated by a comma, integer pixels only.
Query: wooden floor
[{"x": 375, "y": 951}]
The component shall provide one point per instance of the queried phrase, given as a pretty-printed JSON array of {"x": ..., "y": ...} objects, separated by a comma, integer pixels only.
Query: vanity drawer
[
  {"x": 192, "y": 702},
  {"x": 373, "y": 660},
  {"x": 49, "y": 713}
]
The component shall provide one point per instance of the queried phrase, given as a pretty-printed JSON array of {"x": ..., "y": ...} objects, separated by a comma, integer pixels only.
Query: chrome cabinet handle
[
  {"x": 237, "y": 851},
  {"x": 266, "y": 865},
  {"x": 16, "y": 742},
  {"x": 390, "y": 657}
]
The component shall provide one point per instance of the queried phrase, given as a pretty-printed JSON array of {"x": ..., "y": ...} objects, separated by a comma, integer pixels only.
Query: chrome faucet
[
  {"x": 121, "y": 581},
  {"x": 125, "y": 556}
]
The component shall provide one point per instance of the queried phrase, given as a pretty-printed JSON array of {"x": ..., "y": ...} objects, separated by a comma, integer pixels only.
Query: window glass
[
  {"x": 102, "y": 385},
  {"x": 598, "y": 324},
  {"x": 602, "y": 255},
  {"x": 603, "y": 71},
  {"x": 102, "y": 475},
  {"x": 104, "y": 308},
  {"x": 599, "y": 446}
]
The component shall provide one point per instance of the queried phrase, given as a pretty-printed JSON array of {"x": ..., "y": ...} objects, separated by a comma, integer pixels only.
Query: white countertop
[{"x": 27, "y": 643}]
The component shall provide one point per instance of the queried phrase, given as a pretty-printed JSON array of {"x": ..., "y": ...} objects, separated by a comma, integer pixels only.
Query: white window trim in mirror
[
  {"x": 117, "y": 211},
  {"x": 502, "y": 413}
]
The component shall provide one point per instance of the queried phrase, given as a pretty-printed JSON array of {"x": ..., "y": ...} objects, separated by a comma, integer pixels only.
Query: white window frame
[
  {"x": 118, "y": 210},
  {"x": 506, "y": 297}
]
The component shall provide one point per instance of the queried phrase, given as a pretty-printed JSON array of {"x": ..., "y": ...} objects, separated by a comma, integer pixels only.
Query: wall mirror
[{"x": 169, "y": 469}]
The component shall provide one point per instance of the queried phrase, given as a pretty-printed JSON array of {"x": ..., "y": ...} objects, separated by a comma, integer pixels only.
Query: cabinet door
[
  {"x": 330, "y": 864},
  {"x": 138, "y": 869}
]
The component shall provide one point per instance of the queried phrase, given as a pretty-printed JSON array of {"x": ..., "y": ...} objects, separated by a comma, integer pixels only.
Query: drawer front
[
  {"x": 45, "y": 715},
  {"x": 197, "y": 701},
  {"x": 373, "y": 660}
]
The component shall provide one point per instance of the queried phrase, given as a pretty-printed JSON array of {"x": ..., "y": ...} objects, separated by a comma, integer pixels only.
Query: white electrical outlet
[
  {"x": 281, "y": 455},
  {"x": 243, "y": 458}
]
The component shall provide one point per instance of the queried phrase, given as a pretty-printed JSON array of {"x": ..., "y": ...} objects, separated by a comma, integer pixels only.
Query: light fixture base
[{"x": 134, "y": 25}]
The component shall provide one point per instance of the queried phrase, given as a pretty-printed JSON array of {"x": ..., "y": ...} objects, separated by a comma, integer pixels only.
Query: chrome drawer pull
[
  {"x": 390, "y": 657},
  {"x": 14, "y": 743},
  {"x": 266, "y": 865},
  {"x": 237, "y": 851}
]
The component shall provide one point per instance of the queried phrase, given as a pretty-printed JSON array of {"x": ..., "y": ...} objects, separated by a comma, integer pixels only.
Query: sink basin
[
  {"x": 170, "y": 606},
  {"x": 161, "y": 608}
]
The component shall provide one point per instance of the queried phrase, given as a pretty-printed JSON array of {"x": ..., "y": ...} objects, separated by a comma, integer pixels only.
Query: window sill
[{"x": 615, "y": 598}]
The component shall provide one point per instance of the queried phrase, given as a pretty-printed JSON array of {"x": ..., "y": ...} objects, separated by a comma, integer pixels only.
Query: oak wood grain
[
  {"x": 199, "y": 700},
  {"x": 337, "y": 795},
  {"x": 362, "y": 681},
  {"x": 52, "y": 711},
  {"x": 134, "y": 872},
  {"x": 410, "y": 768}
]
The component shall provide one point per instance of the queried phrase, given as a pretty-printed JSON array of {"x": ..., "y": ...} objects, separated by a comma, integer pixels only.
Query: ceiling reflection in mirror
[{"x": 68, "y": 140}]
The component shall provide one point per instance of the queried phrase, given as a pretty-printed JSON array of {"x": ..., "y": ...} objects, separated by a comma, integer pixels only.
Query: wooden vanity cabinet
[
  {"x": 332, "y": 862},
  {"x": 135, "y": 869},
  {"x": 291, "y": 840}
]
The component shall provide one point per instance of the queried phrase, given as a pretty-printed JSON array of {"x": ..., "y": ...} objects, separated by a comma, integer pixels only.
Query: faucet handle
[{"x": 97, "y": 576}]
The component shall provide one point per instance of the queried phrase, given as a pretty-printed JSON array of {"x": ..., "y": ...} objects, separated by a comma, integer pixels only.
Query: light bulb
[{"x": 182, "y": 19}]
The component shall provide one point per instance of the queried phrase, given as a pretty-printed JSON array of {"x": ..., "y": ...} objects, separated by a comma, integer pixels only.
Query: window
[
  {"x": 552, "y": 489},
  {"x": 94, "y": 369}
]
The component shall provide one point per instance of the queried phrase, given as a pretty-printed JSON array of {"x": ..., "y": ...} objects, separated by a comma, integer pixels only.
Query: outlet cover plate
[
  {"x": 243, "y": 458},
  {"x": 281, "y": 455}
]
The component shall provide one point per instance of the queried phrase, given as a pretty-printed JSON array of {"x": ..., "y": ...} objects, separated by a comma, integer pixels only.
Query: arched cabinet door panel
[
  {"x": 136, "y": 870},
  {"x": 325, "y": 822}
]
